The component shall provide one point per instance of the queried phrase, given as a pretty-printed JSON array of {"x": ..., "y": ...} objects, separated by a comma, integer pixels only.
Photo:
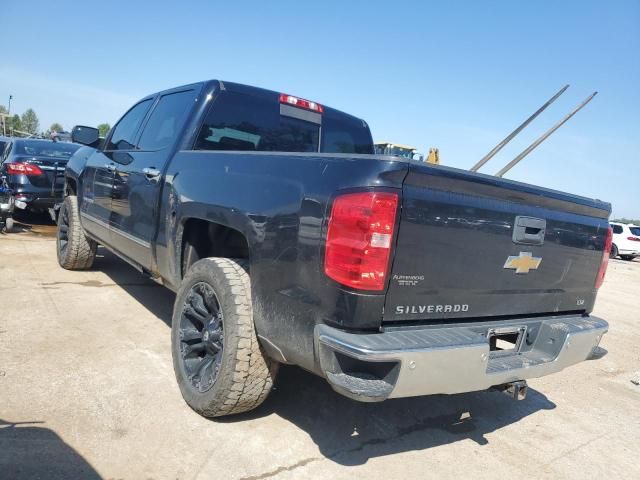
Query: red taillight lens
[
  {"x": 23, "y": 169},
  {"x": 605, "y": 258},
  {"x": 300, "y": 102},
  {"x": 634, "y": 239},
  {"x": 359, "y": 239}
]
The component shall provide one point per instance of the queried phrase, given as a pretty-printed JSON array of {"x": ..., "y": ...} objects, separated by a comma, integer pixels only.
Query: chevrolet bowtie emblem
[{"x": 523, "y": 262}]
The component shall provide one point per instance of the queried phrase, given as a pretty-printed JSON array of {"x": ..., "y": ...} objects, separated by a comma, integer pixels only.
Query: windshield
[
  {"x": 46, "y": 149},
  {"x": 255, "y": 123}
]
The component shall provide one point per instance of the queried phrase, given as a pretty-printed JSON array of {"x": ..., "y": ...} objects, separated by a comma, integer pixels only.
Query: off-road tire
[
  {"x": 245, "y": 374},
  {"x": 614, "y": 251},
  {"x": 79, "y": 251}
]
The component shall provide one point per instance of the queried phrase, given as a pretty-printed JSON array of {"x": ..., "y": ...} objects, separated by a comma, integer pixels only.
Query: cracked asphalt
[{"x": 87, "y": 391}]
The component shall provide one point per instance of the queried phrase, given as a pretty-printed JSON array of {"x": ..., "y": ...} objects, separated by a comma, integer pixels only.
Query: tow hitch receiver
[{"x": 516, "y": 390}]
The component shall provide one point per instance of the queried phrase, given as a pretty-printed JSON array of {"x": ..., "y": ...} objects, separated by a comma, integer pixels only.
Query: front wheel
[
  {"x": 219, "y": 364},
  {"x": 75, "y": 250},
  {"x": 614, "y": 251}
]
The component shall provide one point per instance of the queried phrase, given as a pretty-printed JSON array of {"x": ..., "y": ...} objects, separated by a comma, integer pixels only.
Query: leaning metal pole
[
  {"x": 509, "y": 137},
  {"x": 528, "y": 150}
]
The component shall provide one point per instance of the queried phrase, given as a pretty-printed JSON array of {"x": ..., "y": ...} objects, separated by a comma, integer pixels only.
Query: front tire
[
  {"x": 219, "y": 364},
  {"x": 75, "y": 250}
]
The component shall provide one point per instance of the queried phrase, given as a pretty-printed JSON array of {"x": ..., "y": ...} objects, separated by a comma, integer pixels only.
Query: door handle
[
  {"x": 111, "y": 167},
  {"x": 151, "y": 173}
]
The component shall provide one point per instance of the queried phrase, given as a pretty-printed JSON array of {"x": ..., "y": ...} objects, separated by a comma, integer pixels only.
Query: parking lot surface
[{"x": 87, "y": 391}]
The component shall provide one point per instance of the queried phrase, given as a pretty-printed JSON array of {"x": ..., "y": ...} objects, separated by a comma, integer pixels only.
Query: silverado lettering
[{"x": 415, "y": 309}]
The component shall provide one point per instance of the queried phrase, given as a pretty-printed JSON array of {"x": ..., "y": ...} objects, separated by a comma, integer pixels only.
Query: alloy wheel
[{"x": 201, "y": 336}]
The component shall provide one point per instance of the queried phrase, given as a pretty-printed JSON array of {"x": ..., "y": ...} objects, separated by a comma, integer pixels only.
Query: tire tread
[{"x": 81, "y": 251}]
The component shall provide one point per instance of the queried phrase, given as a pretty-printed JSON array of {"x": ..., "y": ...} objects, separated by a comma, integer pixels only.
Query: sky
[{"x": 456, "y": 75}]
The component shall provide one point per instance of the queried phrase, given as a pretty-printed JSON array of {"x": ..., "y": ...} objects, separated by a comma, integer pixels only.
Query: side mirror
[{"x": 85, "y": 135}]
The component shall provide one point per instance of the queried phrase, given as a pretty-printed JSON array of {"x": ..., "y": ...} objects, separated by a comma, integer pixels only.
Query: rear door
[
  {"x": 473, "y": 246},
  {"x": 138, "y": 176},
  {"x": 98, "y": 176}
]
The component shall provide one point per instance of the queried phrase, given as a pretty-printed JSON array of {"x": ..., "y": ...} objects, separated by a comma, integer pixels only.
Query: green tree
[
  {"x": 56, "y": 127},
  {"x": 15, "y": 123},
  {"x": 635, "y": 221},
  {"x": 5, "y": 123},
  {"x": 30, "y": 122},
  {"x": 104, "y": 128}
]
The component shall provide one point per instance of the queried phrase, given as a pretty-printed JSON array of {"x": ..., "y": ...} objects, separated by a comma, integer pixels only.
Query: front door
[
  {"x": 95, "y": 190},
  {"x": 98, "y": 184}
]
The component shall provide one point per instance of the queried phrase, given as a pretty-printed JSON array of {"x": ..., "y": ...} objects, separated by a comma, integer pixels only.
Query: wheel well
[
  {"x": 202, "y": 239},
  {"x": 71, "y": 188}
]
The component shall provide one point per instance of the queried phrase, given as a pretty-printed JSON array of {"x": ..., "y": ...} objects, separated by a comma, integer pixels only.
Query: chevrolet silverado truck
[{"x": 287, "y": 241}]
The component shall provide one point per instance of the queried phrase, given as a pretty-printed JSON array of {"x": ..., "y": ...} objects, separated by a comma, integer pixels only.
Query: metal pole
[
  {"x": 528, "y": 150},
  {"x": 509, "y": 137},
  {"x": 9, "y": 112}
]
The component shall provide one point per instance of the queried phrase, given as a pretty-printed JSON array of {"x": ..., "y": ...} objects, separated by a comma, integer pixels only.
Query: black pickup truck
[{"x": 288, "y": 241}]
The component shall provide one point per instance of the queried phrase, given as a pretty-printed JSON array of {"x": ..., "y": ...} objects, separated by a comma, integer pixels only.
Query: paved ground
[{"x": 87, "y": 391}]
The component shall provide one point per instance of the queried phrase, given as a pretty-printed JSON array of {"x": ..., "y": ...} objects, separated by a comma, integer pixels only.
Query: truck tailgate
[{"x": 474, "y": 246}]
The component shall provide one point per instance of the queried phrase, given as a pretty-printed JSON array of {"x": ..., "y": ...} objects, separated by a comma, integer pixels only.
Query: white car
[{"x": 626, "y": 241}]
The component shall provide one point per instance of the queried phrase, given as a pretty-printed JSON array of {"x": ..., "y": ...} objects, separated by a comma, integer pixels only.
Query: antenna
[
  {"x": 528, "y": 150},
  {"x": 509, "y": 137}
]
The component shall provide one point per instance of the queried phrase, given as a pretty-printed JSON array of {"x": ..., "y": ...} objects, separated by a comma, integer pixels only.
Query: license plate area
[{"x": 505, "y": 341}]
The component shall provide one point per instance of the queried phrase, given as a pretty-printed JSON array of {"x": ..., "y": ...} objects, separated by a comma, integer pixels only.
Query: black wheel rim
[
  {"x": 63, "y": 230},
  {"x": 201, "y": 336}
]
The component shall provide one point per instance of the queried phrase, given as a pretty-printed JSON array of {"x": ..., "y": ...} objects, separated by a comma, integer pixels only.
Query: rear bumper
[
  {"x": 39, "y": 200},
  {"x": 453, "y": 359}
]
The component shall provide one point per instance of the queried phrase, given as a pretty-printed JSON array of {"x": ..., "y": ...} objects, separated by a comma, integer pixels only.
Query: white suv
[{"x": 626, "y": 241}]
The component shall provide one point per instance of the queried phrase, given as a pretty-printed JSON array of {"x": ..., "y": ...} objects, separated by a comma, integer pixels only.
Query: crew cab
[{"x": 288, "y": 241}]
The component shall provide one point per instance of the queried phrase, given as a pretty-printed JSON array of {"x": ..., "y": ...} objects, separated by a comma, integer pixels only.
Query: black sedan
[{"x": 35, "y": 170}]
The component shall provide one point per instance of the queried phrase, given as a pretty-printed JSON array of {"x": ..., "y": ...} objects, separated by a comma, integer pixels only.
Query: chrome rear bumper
[{"x": 447, "y": 360}]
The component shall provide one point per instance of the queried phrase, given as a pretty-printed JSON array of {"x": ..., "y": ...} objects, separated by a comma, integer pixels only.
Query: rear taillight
[
  {"x": 23, "y": 169},
  {"x": 634, "y": 239},
  {"x": 605, "y": 258},
  {"x": 359, "y": 239},
  {"x": 301, "y": 103}
]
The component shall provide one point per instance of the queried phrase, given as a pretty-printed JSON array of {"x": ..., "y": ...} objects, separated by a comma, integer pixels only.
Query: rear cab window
[
  {"x": 245, "y": 122},
  {"x": 635, "y": 231}
]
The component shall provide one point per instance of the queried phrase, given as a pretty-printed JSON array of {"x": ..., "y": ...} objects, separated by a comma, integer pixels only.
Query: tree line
[{"x": 28, "y": 123}]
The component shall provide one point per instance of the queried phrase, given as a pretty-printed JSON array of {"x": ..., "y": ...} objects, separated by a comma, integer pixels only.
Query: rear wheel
[
  {"x": 219, "y": 364},
  {"x": 75, "y": 250},
  {"x": 614, "y": 251},
  {"x": 627, "y": 257}
]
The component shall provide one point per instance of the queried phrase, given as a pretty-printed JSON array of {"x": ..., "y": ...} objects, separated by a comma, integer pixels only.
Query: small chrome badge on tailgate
[{"x": 522, "y": 263}]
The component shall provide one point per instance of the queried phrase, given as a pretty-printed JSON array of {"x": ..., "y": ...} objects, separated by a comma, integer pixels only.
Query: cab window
[{"x": 125, "y": 131}]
